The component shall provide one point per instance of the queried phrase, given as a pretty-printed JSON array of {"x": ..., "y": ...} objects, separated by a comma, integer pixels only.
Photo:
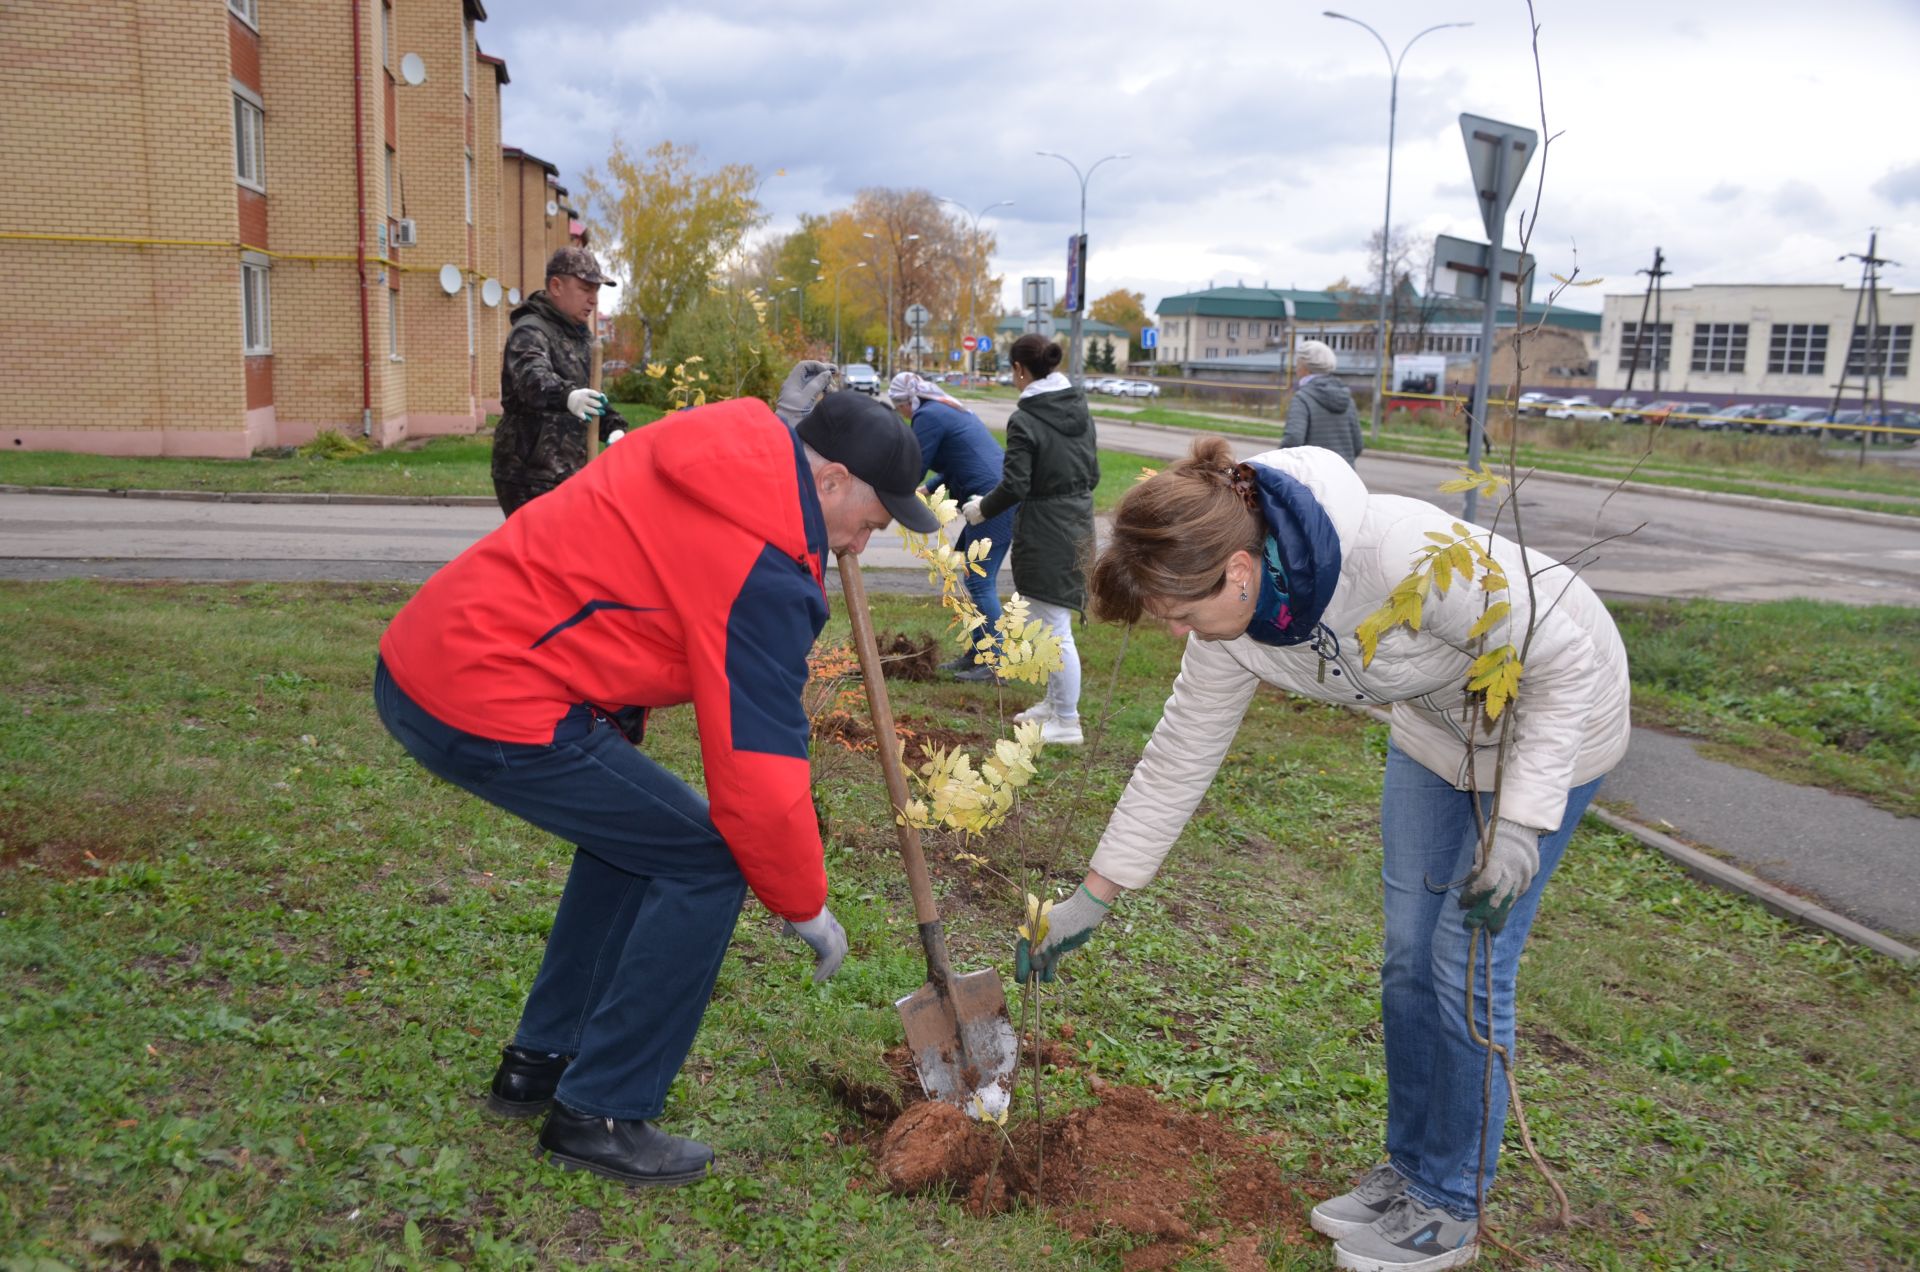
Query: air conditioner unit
[{"x": 406, "y": 234}]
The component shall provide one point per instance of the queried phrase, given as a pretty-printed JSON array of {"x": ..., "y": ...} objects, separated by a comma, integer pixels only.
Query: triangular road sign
[{"x": 1493, "y": 189}]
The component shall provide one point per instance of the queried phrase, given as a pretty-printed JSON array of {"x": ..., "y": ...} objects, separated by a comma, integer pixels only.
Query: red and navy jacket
[{"x": 685, "y": 564}]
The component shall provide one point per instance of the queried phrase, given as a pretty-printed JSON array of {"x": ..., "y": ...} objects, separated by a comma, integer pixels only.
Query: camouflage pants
[{"x": 512, "y": 494}]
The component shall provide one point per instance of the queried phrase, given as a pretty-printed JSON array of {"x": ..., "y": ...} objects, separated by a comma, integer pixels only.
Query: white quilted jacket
[{"x": 1571, "y": 716}]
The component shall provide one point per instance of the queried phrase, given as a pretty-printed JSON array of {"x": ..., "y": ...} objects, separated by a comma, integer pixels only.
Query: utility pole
[
  {"x": 836, "y": 307},
  {"x": 1875, "y": 351},
  {"x": 1654, "y": 275},
  {"x": 893, "y": 264},
  {"x": 1076, "y": 362},
  {"x": 1004, "y": 203}
]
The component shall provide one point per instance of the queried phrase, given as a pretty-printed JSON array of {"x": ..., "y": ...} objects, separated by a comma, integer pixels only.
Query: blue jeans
[
  {"x": 985, "y": 589},
  {"x": 1435, "y": 1071},
  {"x": 647, "y": 912}
]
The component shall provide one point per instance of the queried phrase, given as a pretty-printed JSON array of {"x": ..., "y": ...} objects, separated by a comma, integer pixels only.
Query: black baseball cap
[{"x": 878, "y": 447}]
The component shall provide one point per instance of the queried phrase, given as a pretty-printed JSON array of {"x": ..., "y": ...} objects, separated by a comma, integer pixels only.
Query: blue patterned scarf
[{"x": 1299, "y": 558}]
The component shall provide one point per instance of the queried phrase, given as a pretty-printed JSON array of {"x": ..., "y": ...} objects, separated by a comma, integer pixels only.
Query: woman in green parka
[{"x": 1051, "y": 469}]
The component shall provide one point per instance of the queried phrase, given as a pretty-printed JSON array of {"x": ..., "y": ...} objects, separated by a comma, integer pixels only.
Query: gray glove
[
  {"x": 828, "y": 939},
  {"x": 1513, "y": 858},
  {"x": 1069, "y": 924},
  {"x": 803, "y": 388}
]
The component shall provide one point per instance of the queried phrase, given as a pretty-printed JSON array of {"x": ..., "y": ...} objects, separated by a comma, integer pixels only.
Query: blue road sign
[
  {"x": 957, "y": 355},
  {"x": 1149, "y": 337},
  {"x": 985, "y": 345},
  {"x": 869, "y": 353}
]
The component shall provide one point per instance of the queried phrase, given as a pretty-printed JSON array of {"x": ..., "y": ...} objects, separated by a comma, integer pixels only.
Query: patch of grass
[
  {"x": 259, "y": 966},
  {"x": 438, "y": 466},
  {"x": 1119, "y": 470},
  {"x": 1822, "y": 694}
]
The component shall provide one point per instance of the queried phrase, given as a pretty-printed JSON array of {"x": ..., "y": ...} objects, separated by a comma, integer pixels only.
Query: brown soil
[
  {"x": 1178, "y": 1182},
  {"x": 908, "y": 657}
]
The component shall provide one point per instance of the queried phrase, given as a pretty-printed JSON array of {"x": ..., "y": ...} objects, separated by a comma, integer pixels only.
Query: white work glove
[
  {"x": 616, "y": 435},
  {"x": 971, "y": 510},
  {"x": 803, "y": 387},
  {"x": 1513, "y": 858},
  {"x": 828, "y": 939},
  {"x": 587, "y": 404}
]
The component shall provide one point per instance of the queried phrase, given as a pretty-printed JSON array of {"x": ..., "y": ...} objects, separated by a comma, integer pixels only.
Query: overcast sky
[{"x": 1755, "y": 140}]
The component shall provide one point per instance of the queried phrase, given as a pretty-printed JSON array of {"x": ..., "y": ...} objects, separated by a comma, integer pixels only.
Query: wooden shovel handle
[{"x": 855, "y": 589}]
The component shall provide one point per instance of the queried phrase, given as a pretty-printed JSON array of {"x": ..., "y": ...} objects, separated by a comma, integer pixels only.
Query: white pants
[{"x": 1063, "y": 686}]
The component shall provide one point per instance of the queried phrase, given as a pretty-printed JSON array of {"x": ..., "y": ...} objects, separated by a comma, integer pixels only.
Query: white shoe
[
  {"x": 1061, "y": 732},
  {"x": 1041, "y": 710}
]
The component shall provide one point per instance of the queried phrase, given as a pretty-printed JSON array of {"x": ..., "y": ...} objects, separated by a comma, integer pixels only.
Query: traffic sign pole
[{"x": 1495, "y": 176}]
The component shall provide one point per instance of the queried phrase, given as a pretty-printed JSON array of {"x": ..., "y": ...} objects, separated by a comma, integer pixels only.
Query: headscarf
[
  {"x": 1299, "y": 555},
  {"x": 912, "y": 390}
]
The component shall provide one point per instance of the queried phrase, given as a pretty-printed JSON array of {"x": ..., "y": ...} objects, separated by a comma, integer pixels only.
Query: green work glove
[
  {"x": 1069, "y": 924},
  {"x": 1513, "y": 858}
]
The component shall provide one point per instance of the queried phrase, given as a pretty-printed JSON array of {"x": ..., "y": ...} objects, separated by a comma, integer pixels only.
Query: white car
[
  {"x": 1535, "y": 403},
  {"x": 1141, "y": 389},
  {"x": 861, "y": 378},
  {"x": 1578, "y": 408}
]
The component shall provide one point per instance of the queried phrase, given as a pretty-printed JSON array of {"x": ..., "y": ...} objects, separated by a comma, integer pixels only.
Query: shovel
[{"x": 957, "y": 1027}]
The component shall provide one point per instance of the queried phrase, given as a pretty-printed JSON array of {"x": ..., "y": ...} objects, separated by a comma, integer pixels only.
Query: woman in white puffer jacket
[{"x": 1268, "y": 568}]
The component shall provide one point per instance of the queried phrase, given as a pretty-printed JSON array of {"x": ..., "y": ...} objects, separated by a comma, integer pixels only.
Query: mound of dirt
[
  {"x": 907, "y": 657},
  {"x": 1186, "y": 1182}
]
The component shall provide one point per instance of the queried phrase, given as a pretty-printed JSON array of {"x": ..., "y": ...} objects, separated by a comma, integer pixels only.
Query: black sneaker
[
  {"x": 634, "y": 1152},
  {"x": 523, "y": 1084},
  {"x": 981, "y": 674}
]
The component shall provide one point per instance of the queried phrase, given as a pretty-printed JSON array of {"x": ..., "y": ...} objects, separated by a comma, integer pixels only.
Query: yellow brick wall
[
  {"x": 492, "y": 334},
  {"x": 116, "y": 117}
]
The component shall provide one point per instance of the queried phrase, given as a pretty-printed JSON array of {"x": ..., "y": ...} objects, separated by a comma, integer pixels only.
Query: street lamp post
[
  {"x": 836, "y": 307},
  {"x": 892, "y": 268},
  {"x": 1386, "y": 228},
  {"x": 1004, "y": 203},
  {"x": 1075, "y": 361}
]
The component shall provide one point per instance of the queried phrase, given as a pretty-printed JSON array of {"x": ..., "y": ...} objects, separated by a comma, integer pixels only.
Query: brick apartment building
[{"x": 203, "y": 242}]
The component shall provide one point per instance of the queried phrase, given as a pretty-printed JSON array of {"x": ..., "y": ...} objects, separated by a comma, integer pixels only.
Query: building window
[
  {"x": 1892, "y": 351},
  {"x": 1233, "y": 331},
  {"x": 466, "y": 57},
  {"x": 249, "y": 140},
  {"x": 1720, "y": 346},
  {"x": 393, "y": 324},
  {"x": 470, "y": 344},
  {"x": 1658, "y": 338},
  {"x": 386, "y": 36},
  {"x": 1213, "y": 328},
  {"x": 256, "y": 327},
  {"x": 469, "y": 187},
  {"x": 1798, "y": 348},
  {"x": 1213, "y": 352},
  {"x": 248, "y": 11},
  {"x": 1233, "y": 353}
]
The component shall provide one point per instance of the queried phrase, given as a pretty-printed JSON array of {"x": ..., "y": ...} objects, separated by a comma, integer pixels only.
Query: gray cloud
[
  {"x": 1725, "y": 192},
  {"x": 1802, "y": 203},
  {"x": 1900, "y": 186}
]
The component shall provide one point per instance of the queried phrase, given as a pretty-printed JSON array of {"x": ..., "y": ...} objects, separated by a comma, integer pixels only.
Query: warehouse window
[
  {"x": 1720, "y": 346},
  {"x": 1892, "y": 351},
  {"x": 248, "y": 11},
  {"x": 256, "y": 327},
  {"x": 1798, "y": 348},
  {"x": 249, "y": 140},
  {"x": 1658, "y": 338}
]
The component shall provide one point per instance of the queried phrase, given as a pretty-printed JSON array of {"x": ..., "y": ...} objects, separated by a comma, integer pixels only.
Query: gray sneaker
[
  {"x": 1352, "y": 1211},
  {"x": 1410, "y": 1237}
]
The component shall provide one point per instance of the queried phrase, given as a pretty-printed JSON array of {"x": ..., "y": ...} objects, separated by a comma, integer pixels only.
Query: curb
[
  {"x": 1710, "y": 869},
  {"x": 1604, "y": 483},
  {"x": 259, "y": 497}
]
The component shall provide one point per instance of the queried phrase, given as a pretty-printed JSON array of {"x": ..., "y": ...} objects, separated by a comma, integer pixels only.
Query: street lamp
[
  {"x": 1386, "y": 229},
  {"x": 892, "y": 269},
  {"x": 836, "y": 306},
  {"x": 776, "y": 302},
  {"x": 1004, "y": 203},
  {"x": 1075, "y": 362}
]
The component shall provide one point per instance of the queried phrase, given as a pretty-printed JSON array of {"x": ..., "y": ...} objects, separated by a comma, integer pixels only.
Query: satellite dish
[
  {"x": 413, "y": 69},
  {"x": 513, "y": 295},
  {"x": 553, "y": 209},
  {"x": 450, "y": 280},
  {"x": 490, "y": 292}
]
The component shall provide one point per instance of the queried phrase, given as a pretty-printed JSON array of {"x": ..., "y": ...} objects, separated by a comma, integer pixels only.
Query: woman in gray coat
[
  {"x": 1052, "y": 466},
  {"x": 1322, "y": 411}
]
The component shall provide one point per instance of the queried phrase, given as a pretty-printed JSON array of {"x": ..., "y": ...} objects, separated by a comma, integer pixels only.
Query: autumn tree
[
  {"x": 670, "y": 225},
  {"x": 1126, "y": 310}
]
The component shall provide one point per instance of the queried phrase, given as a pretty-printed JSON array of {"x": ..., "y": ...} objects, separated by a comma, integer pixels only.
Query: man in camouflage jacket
[{"x": 546, "y": 406}]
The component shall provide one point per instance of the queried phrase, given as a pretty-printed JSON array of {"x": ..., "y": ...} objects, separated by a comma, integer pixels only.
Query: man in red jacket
[{"x": 685, "y": 564}]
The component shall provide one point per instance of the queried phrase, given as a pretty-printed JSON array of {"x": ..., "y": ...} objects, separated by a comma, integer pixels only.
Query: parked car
[
  {"x": 1536, "y": 403},
  {"x": 1727, "y": 418},
  {"x": 861, "y": 378},
  {"x": 1578, "y": 408},
  {"x": 1005, "y": 377},
  {"x": 1760, "y": 419},
  {"x": 1688, "y": 414},
  {"x": 1657, "y": 411},
  {"x": 1798, "y": 421},
  {"x": 613, "y": 367},
  {"x": 1626, "y": 408},
  {"x": 1142, "y": 389}
]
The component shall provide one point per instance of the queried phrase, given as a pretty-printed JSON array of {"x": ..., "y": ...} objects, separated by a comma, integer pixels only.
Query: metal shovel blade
[{"x": 962, "y": 1041}]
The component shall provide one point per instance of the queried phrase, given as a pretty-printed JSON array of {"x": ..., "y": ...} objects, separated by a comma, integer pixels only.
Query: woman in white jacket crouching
[{"x": 1267, "y": 568}]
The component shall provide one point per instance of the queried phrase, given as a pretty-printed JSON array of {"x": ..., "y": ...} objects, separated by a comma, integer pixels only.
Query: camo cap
[{"x": 577, "y": 262}]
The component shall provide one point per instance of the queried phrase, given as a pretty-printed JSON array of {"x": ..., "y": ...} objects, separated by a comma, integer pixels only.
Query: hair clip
[{"x": 1240, "y": 480}]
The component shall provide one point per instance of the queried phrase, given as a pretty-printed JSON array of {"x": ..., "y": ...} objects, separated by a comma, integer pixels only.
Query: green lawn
[
  {"x": 1822, "y": 694},
  {"x": 259, "y": 967}
]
